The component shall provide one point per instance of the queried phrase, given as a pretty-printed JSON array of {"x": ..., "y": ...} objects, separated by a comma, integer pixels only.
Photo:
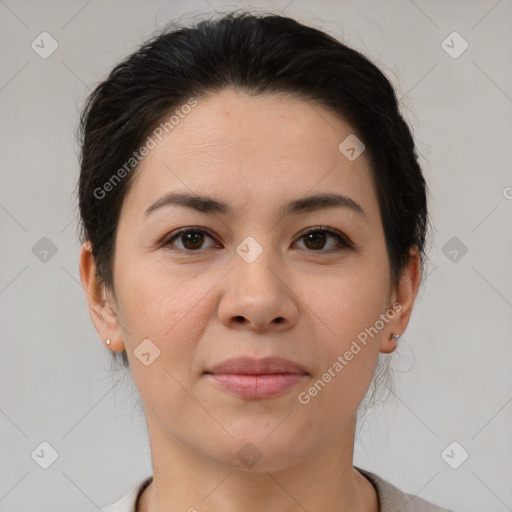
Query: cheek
[
  {"x": 172, "y": 311},
  {"x": 349, "y": 306},
  {"x": 347, "y": 355},
  {"x": 347, "y": 302},
  {"x": 170, "y": 308}
]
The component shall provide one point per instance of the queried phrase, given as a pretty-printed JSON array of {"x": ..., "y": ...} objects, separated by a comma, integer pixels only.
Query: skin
[{"x": 254, "y": 153}]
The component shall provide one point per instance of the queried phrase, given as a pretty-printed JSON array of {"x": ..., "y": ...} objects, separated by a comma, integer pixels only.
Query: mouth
[{"x": 257, "y": 378}]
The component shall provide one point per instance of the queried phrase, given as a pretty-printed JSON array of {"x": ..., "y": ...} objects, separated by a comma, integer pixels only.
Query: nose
[{"x": 258, "y": 297}]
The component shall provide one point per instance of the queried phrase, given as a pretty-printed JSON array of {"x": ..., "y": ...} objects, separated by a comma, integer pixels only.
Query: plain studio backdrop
[{"x": 446, "y": 433}]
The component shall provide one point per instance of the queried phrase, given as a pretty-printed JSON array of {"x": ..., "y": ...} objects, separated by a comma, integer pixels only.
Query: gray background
[{"x": 453, "y": 380}]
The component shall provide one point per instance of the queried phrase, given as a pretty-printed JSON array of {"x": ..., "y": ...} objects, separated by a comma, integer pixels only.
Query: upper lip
[{"x": 252, "y": 366}]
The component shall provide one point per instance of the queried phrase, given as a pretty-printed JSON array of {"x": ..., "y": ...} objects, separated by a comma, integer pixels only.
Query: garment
[{"x": 391, "y": 499}]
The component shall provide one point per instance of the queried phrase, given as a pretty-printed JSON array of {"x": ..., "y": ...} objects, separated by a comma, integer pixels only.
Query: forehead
[
  {"x": 229, "y": 122},
  {"x": 269, "y": 145}
]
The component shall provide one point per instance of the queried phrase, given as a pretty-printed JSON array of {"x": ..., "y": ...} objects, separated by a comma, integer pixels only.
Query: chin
[{"x": 259, "y": 452}]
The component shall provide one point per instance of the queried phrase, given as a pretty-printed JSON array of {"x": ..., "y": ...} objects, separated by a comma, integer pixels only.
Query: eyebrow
[{"x": 206, "y": 204}]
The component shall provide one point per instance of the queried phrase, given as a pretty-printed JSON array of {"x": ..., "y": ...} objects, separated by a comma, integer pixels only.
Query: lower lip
[{"x": 257, "y": 386}]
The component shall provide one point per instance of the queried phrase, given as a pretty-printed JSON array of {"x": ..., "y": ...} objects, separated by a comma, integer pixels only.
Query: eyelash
[{"x": 343, "y": 242}]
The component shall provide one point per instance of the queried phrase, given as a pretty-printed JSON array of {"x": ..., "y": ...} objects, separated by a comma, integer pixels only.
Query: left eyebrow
[
  {"x": 205, "y": 204},
  {"x": 321, "y": 202}
]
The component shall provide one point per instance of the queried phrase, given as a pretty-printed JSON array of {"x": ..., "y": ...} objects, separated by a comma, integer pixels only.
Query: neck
[{"x": 183, "y": 480}]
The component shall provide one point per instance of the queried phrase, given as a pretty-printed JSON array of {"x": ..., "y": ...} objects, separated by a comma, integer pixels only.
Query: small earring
[
  {"x": 396, "y": 336},
  {"x": 108, "y": 341}
]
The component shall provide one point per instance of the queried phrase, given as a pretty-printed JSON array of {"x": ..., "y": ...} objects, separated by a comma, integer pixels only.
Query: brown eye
[
  {"x": 316, "y": 239},
  {"x": 188, "y": 239},
  {"x": 192, "y": 240}
]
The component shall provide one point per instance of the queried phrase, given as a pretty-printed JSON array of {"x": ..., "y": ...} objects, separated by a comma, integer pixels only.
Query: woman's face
[{"x": 248, "y": 282}]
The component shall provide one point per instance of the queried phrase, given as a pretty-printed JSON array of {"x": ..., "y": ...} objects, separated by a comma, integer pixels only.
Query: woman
[{"x": 253, "y": 227}]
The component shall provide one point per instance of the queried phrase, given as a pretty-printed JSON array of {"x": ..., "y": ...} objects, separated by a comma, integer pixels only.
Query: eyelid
[
  {"x": 166, "y": 241},
  {"x": 345, "y": 243}
]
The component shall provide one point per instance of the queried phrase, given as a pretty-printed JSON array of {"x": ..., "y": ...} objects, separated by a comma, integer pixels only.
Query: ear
[
  {"x": 403, "y": 296},
  {"x": 101, "y": 307}
]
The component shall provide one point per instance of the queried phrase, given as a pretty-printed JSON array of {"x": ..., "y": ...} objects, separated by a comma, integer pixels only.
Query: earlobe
[
  {"x": 389, "y": 344},
  {"x": 405, "y": 295},
  {"x": 101, "y": 311}
]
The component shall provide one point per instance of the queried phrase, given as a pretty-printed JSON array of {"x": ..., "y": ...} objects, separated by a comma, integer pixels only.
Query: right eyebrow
[{"x": 200, "y": 203}]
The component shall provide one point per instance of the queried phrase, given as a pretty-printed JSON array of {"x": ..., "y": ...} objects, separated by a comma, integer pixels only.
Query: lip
[
  {"x": 253, "y": 366},
  {"x": 257, "y": 378}
]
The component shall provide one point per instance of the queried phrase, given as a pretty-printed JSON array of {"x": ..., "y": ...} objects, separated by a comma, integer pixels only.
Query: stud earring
[
  {"x": 108, "y": 341},
  {"x": 396, "y": 336}
]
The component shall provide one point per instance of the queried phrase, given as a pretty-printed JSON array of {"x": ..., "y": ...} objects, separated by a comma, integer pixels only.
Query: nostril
[
  {"x": 239, "y": 319},
  {"x": 279, "y": 319}
]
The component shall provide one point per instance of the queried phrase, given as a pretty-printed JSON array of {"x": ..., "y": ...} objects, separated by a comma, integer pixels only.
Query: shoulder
[
  {"x": 391, "y": 498},
  {"x": 128, "y": 502}
]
